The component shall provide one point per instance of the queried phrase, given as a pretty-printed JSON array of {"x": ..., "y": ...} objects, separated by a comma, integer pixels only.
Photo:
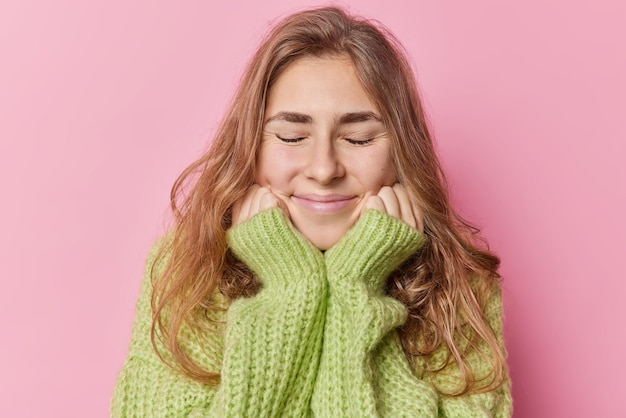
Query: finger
[
  {"x": 282, "y": 204},
  {"x": 241, "y": 209},
  {"x": 255, "y": 204},
  {"x": 283, "y": 201},
  {"x": 390, "y": 200},
  {"x": 268, "y": 201},
  {"x": 407, "y": 212},
  {"x": 374, "y": 202}
]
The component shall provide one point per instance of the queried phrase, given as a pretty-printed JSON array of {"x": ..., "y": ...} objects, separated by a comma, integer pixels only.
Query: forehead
[{"x": 318, "y": 84}]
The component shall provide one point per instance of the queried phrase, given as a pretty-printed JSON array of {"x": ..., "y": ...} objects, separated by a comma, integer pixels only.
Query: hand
[
  {"x": 256, "y": 200},
  {"x": 395, "y": 202}
]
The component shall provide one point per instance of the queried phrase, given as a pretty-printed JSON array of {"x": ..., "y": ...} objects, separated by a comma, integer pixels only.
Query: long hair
[{"x": 446, "y": 286}]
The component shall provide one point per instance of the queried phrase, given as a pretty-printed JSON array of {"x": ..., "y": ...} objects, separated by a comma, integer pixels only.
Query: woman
[{"x": 316, "y": 267}]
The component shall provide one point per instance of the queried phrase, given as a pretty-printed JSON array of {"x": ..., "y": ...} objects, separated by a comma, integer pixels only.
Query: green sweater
[{"x": 319, "y": 339}]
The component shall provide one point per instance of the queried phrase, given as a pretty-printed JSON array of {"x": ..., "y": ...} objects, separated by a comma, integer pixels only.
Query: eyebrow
[
  {"x": 291, "y": 117},
  {"x": 359, "y": 117},
  {"x": 352, "y": 117}
]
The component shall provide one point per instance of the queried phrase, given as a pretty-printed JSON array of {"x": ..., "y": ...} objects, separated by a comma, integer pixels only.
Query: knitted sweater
[{"x": 319, "y": 339}]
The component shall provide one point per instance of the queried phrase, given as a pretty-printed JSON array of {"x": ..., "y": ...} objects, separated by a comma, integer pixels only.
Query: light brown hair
[{"x": 446, "y": 285}]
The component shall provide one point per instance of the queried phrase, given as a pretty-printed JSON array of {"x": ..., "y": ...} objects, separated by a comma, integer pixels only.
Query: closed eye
[
  {"x": 359, "y": 141},
  {"x": 291, "y": 140}
]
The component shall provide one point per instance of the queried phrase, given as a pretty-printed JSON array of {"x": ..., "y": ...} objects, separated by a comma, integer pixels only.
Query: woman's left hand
[{"x": 395, "y": 202}]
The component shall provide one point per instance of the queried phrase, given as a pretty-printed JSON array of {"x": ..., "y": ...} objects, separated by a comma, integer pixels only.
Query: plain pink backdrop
[{"x": 103, "y": 103}]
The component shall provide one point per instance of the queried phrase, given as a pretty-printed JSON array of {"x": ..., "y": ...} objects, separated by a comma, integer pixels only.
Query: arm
[
  {"x": 272, "y": 340},
  {"x": 363, "y": 370}
]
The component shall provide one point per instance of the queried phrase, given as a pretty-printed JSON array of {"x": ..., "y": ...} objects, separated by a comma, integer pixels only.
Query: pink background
[{"x": 103, "y": 103}]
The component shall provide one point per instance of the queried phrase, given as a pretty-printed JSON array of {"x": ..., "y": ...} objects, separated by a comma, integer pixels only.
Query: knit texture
[
  {"x": 351, "y": 381},
  {"x": 319, "y": 339}
]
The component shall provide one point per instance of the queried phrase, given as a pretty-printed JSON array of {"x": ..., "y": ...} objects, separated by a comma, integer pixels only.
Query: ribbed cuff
[
  {"x": 272, "y": 248},
  {"x": 373, "y": 248}
]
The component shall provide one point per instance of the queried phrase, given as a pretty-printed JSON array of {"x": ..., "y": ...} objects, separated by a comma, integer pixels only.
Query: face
[{"x": 324, "y": 149}]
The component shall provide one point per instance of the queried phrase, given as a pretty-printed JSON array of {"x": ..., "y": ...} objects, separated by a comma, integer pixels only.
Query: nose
[{"x": 324, "y": 163}]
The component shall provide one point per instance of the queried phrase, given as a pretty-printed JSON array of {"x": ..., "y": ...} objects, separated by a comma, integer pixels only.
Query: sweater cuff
[
  {"x": 271, "y": 247},
  {"x": 373, "y": 248}
]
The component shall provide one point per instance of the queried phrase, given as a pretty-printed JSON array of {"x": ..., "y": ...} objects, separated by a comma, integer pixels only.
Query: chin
[
  {"x": 323, "y": 235},
  {"x": 324, "y": 241}
]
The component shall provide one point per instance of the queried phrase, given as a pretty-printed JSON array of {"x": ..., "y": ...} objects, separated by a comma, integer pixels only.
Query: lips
[{"x": 323, "y": 204}]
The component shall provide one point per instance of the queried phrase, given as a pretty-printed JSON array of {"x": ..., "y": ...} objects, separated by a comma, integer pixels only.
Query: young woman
[{"x": 316, "y": 267}]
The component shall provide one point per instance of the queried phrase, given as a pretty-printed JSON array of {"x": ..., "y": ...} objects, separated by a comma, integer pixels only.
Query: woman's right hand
[{"x": 256, "y": 200}]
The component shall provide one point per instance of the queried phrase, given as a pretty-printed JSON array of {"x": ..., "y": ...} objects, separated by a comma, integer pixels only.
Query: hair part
[{"x": 446, "y": 286}]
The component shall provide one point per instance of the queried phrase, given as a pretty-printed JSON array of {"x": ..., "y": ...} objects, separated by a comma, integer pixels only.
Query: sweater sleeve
[
  {"x": 363, "y": 370},
  {"x": 145, "y": 386},
  {"x": 271, "y": 342}
]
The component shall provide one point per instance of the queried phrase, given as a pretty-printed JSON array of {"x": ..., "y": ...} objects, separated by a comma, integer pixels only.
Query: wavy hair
[{"x": 446, "y": 286}]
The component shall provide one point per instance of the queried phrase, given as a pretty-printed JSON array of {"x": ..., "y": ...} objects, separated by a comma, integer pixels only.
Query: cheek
[
  {"x": 275, "y": 167},
  {"x": 377, "y": 170},
  {"x": 388, "y": 172}
]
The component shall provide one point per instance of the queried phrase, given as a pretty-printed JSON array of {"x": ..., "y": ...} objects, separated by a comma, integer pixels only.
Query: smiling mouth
[{"x": 324, "y": 204}]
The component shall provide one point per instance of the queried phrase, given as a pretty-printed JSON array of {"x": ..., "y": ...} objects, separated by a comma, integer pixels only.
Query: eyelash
[
  {"x": 359, "y": 142},
  {"x": 290, "y": 140},
  {"x": 350, "y": 140}
]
